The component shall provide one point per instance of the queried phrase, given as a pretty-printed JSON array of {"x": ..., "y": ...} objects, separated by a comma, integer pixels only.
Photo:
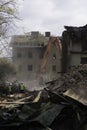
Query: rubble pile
[
  {"x": 61, "y": 105},
  {"x": 76, "y": 77}
]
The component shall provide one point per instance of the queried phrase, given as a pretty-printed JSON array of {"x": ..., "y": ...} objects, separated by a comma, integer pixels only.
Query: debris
[
  {"x": 60, "y": 105},
  {"x": 38, "y": 97}
]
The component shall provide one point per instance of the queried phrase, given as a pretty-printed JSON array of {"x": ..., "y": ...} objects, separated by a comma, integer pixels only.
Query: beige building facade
[{"x": 27, "y": 53}]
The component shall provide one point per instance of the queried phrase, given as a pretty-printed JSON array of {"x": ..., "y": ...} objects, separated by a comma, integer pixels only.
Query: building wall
[
  {"x": 75, "y": 59},
  {"x": 73, "y": 53},
  {"x": 75, "y": 47},
  {"x": 24, "y": 60},
  {"x": 28, "y": 63},
  {"x": 28, "y": 51},
  {"x": 53, "y": 66}
]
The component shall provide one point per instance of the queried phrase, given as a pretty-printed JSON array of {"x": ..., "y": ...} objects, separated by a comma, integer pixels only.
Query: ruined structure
[
  {"x": 28, "y": 50},
  {"x": 74, "y": 47}
]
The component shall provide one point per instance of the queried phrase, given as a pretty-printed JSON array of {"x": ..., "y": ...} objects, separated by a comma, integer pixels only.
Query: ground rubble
[{"x": 61, "y": 105}]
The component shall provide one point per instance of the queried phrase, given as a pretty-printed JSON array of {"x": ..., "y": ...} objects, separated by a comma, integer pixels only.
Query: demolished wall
[{"x": 74, "y": 44}]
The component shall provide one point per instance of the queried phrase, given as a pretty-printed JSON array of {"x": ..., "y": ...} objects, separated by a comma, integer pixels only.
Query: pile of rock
[{"x": 75, "y": 77}]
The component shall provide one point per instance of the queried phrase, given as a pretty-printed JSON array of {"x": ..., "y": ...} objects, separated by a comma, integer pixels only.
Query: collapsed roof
[{"x": 79, "y": 33}]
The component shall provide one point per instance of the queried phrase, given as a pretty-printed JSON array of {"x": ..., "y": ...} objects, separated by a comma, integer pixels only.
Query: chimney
[
  {"x": 47, "y": 34},
  {"x": 35, "y": 34}
]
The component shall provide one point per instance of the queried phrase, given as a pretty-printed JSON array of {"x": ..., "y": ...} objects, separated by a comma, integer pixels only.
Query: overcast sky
[{"x": 51, "y": 15}]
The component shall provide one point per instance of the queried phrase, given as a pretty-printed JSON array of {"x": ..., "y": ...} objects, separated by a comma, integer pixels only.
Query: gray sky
[{"x": 51, "y": 15}]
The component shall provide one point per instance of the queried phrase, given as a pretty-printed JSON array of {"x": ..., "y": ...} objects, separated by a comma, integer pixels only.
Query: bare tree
[{"x": 7, "y": 15}]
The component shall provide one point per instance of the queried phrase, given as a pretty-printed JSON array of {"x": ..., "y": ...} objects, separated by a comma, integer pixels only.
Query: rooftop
[{"x": 28, "y": 40}]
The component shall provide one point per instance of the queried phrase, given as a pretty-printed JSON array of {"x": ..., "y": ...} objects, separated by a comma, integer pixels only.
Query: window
[
  {"x": 54, "y": 68},
  {"x": 84, "y": 60},
  {"x": 42, "y": 44},
  {"x": 30, "y": 67},
  {"x": 54, "y": 56},
  {"x": 20, "y": 68},
  {"x": 84, "y": 46},
  {"x": 19, "y": 55},
  {"x": 41, "y": 55},
  {"x": 30, "y": 54}
]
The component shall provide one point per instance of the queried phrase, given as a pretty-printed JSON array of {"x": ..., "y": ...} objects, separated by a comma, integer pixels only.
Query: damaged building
[
  {"x": 62, "y": 104},
  {"x": 74, "y": 47},
  {"x": 28, "y": 51}
]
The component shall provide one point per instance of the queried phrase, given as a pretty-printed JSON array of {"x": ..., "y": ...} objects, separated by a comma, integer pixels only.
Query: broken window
[
  {"x": 30, "y": 54},
  {"x": 54, "y": 68},
  {"x": 30, "y": 67},
  {"x": 84, "y": 60},
  {"x": 19, "y": 55},
  {"x": 54, "y": 56}
]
